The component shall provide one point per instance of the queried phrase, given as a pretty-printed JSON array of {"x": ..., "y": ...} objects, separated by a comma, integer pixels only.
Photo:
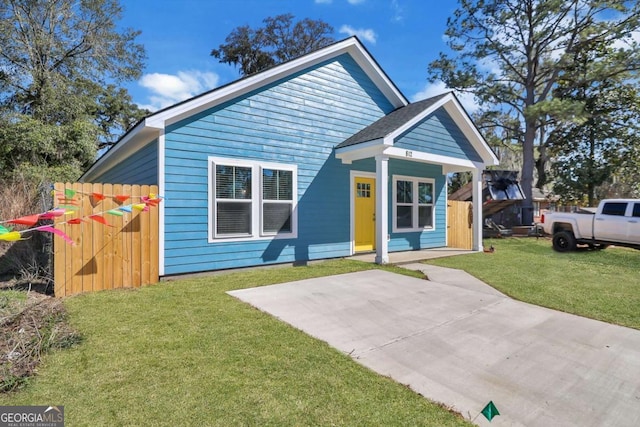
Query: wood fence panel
[
  {"x": 110, "y": 251},
  {"x": 126, "y": 241},
  {"x": 88, "y": 268},
  {"x": 136, "y": 248},
  {"x": 459, "y": 224},
  {"x": 108, "y": 235},
  {"x": 154, "y": 240},
  {"x": 117, "y": 245},
  {"x": 145, "y": 271},
  {"x": 82, "y": 231}
]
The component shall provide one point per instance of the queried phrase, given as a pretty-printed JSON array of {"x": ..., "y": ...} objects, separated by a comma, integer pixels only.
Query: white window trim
[
  {"x": 415, "y": 206},
  {"x": 256, "y": 200}
]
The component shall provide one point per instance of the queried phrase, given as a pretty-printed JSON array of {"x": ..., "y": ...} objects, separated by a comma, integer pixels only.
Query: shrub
[{"x": 26, "y": 261}]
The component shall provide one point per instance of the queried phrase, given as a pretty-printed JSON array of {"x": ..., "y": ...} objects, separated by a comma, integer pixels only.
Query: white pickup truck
[{"x": 614, "y": 222}]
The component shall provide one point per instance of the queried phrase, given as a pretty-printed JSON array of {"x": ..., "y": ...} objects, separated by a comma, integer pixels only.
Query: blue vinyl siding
[
  {"x": 438, "y": 134},
  {"x": 428, "y": 238},
  {"x": 408, "y": 241},
  {"x": 294, "y": 121},
  {"x": 139, "y": 168}
]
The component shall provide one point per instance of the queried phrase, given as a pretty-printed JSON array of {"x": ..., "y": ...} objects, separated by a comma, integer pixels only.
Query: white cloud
[
  {"x": 438, "y": 88},
  {"x": 323, "y": 1},
  {"x": 628, "y": 41},
  {"x": 366, "y": 34},
  {"x": 355, "y": 1},
  {"x": 398, "y": 12},
  {"x": 169, "y": 89}
]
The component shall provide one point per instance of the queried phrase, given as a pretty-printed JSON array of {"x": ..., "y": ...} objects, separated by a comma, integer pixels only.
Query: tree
[
  {"x": 37, "y": 151},
  {"x": 279, "y": 40},
  {"x": 59, "y": 61},
  {"x": 457, "y": 180},
  {"x": 588, "y": 152},
  {"x": 511, "y": 53}
]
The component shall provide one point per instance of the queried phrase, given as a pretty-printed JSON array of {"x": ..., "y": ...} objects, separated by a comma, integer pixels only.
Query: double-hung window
[
  {"x": 233, "y": 200},
  {"x": 277, "y": 201},
  {"x": 412, "y": 204},
  {"x": 251, "y": 200}
]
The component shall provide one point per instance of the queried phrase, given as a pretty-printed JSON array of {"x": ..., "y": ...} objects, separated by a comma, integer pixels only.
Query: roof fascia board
[
  {"x": 417, "y": 119},
  {"x": 436, "y": 159},
  {"x": 248, "y": 84},
  {"x": 131, "y": 142},
  {"x": 360, "y": 151},
  {"x": 361, "y": 146},
  {"x": 461, "y": 118}
]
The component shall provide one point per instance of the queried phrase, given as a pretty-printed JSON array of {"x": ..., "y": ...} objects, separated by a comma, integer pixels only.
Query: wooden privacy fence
[
  {"x": 459, "y": 224},
  {"x": 122, "y": 253}
]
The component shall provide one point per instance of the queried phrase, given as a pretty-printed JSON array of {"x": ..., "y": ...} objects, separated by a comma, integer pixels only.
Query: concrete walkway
[{"x": 457, "y": 341}]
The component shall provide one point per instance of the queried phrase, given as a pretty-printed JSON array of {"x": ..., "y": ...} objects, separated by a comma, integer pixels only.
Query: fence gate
[
  {"x": 459, "y": 224},
  {"x": 117, "y": 249}
]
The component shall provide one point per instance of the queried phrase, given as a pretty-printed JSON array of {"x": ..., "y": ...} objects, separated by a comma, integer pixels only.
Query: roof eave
[
  {"x": 150, "y": 127},
  {"x": 246, "y": 85},
  {"x": 136, "y": 138}
]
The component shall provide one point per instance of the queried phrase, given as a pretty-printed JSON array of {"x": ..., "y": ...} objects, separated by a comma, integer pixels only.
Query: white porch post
[
  {"x": 382, "y": 209},
  {"x": 477, "y": 207}
]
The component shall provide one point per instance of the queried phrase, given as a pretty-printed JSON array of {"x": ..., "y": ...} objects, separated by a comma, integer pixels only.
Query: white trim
[
  {"x": 453, "y": 107},
  {"x": 382, "y": 209},
  {"x": 446, "y": 210},
  {"x": 147, "y": 130},
  {"x": 351, "y": 45},
  {"x": 161, "y": 212},
  {"x": 294, "y": 197},
  {"x": 256, "y": 200},
  {"x": 417, "y": 119},
  {"x": 415, "y": 206},
  {"x": 353, "y": 174},
  {"x": 370, "y": 149},
  {"x": 132, "y": 142},
  {"x": 477, "y": 208},
  {"x": 385, "y": 145},
  {"x": 421, "y": 156},
  {"x": 471, "y": 132}
]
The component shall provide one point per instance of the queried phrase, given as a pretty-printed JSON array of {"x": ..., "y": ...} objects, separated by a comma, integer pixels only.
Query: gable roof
[
  {"x": 150, "y": 127},
  {"x": 385, "y": 130},
  {"x": 391, "y": 122}
]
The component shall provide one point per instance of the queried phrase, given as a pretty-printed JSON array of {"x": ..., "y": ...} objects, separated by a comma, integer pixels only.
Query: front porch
[
  {"x": 436, "y": 132},
  {"x": 406, "y": 257}
]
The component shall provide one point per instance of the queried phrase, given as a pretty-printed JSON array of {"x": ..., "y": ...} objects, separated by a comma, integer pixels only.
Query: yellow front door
[{"x": 365, "y": 214}]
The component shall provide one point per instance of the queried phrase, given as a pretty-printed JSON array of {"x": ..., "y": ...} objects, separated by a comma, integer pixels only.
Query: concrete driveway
[{"x": 463, "y": 343}]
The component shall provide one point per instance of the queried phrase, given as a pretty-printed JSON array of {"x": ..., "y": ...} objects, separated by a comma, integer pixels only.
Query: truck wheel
[{"x": 563, "y": 241}]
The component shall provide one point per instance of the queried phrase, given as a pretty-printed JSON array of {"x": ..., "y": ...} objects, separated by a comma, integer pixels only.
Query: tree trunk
[
  {"x": 591, "y": 187},
  {"x": 527, "y": 170},
  {"x": 541, "y": 164}
]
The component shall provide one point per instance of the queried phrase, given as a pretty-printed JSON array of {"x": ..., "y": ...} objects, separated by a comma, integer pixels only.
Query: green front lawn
[
  {"x": 186, "y": 353},
  {"x": 603, "y": 285}
]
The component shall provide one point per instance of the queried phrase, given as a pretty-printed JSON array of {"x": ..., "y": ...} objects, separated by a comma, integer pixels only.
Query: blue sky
[{"x": 402, "y": 35}]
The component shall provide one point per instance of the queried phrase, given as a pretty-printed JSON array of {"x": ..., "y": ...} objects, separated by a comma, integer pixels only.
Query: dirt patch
[{"x": 35, "y": 326}]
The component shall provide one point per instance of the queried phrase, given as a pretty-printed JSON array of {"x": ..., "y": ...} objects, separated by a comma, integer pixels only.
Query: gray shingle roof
[{"x": 391, "y": 122}]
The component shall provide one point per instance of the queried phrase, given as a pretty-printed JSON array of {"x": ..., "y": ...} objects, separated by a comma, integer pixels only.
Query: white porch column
[
  {"x": 477, "y": 207},
  {"x": 382, "y": 209}
]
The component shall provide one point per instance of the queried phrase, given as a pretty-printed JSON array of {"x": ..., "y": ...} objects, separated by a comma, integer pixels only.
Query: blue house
[{"x": 319, "y": 157}]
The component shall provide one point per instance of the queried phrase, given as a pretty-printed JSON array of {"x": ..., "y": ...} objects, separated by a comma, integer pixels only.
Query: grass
[
  {"x": 186, "y": 353},
  {"x": 11, "y": 302},
  {"x": 603, "y": 285}
]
